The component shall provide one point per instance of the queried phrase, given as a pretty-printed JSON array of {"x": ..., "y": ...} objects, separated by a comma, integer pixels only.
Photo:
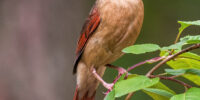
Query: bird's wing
[{"x": 91, "y": 24}]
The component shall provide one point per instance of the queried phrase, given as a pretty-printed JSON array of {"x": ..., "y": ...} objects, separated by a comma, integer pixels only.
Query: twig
[
  {"x": 115, "y": 80},
  {"x": 153, "y": 60},
  {"x": 170, "y": 57},
  {"x": 176, "y": 76},
  {"x": 128, "y": 97},
  {"x": 172, "y": 79}
]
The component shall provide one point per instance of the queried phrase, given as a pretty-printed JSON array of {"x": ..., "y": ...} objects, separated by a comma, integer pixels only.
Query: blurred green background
[{"x": 38, "y": 40}]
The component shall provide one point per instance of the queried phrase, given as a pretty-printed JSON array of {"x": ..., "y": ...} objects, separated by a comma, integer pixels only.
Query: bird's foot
[{"x": 106, "y": 85}]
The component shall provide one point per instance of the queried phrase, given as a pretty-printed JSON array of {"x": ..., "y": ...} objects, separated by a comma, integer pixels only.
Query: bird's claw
[{"x": 108, "y": 86}]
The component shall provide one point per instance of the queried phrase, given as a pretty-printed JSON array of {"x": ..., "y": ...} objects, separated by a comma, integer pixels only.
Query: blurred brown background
[{"x": 38, "y": 40}]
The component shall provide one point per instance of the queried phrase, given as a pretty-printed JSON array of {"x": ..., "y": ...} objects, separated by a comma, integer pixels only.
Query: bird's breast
[
  {"x": 121, "y": 22},
  {"x": 120, "y": 26}
]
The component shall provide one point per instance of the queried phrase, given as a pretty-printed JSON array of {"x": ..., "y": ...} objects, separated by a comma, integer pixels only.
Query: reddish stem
[{"x": 172, "y": 79}]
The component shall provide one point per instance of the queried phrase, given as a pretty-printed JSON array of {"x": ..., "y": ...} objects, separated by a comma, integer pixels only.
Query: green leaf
[
  {"x": 129, "y": 76},
  {"x": 185, "y": 24},
  {"x": 159, "y": 92},
  {"x": 177, "y": 46},
  {"x": 175, "y": 72},
  {"x": 140, "y": 49},
  {"x": 184, "y": 63},
  {"x": 190, "y": 55},
  {"x": 110, "y": 96},
  {"x": 197, "y": 23},
  {"x": 184, "y": 55},
  {"x": 191, "y": 39},
  {"x": 191, "y": 94},
  {"x": 183, "y": 71},
  {"x": 183, "y": 41},
  {"x": 157, "y": 96},
  {"x": 133, "y": 84},
  {"x": 164, "y": 53},
  {"x": 122, "y": 77},
  {"x": 187, "y": 61}
]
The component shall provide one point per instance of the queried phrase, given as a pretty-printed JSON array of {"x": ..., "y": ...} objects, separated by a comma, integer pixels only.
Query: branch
[
  {"x": 172, "y": 79},
  {"x": 153, "y": 60},
  {"x": 128, "y": 97},
  {"x": 170, "y": 57}
]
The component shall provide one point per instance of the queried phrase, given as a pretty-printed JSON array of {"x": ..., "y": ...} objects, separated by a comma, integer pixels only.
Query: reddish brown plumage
[
  {"x": 112, "y": 25},
  {"x": 88, "y": 29},
  {"x": 76, "y": 94}
]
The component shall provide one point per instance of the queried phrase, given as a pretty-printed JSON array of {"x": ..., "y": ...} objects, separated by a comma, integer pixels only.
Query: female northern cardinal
[{"x": 112, "y": 25}]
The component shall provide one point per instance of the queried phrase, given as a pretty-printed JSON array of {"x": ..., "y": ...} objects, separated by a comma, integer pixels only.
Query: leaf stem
[
  {"x": 177, "y": 38},
  {"x": 170, "y": 57}
]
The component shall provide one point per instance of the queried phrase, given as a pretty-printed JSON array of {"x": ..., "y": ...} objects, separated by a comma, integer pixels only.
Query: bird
[{"x": 111, "y": 26}]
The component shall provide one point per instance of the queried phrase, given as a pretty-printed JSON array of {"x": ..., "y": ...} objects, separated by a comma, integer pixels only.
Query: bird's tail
[
  {"x": 86, "y": 82},
  {"x": 85, "y": 97}
]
